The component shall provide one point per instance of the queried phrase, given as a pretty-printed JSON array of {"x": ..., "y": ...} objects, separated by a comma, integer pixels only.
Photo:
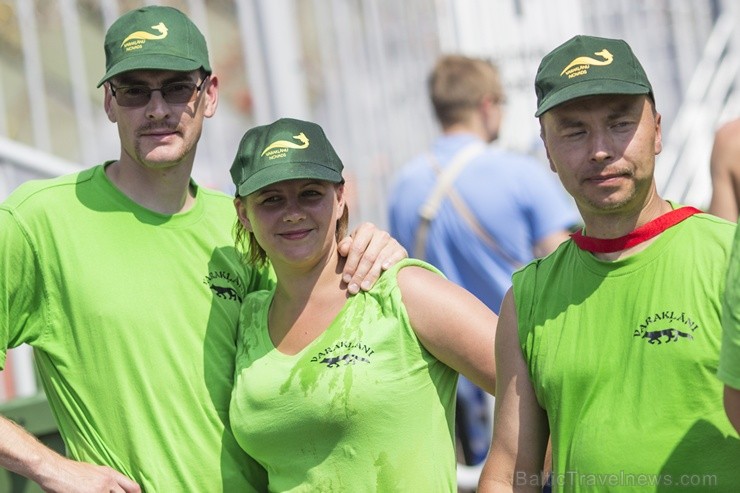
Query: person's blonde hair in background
[{"x": 461, "y": 89}]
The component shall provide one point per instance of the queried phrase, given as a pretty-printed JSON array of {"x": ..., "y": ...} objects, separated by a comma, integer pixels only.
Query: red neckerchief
[{"x": 643, "y": 233}]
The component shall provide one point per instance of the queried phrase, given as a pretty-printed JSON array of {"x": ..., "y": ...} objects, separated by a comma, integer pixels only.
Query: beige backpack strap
[
  {"x": 446, "y": 178},
  {"x": 462, "y": 209},
  {"x": 464, "y": 212}
]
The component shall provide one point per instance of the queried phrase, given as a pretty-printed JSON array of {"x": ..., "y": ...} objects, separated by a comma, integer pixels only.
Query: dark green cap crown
[
  {"x": 588, "y": 66},
  {"x": 156, "y": 38},
  {"x": 286, "y": 149}
]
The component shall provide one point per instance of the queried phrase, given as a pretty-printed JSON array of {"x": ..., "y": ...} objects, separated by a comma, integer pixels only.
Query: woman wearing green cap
[{"x": 335, "y": 392}]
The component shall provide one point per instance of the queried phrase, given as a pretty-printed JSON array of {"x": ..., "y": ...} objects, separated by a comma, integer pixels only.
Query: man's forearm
[{"x": 21, "y": 452}]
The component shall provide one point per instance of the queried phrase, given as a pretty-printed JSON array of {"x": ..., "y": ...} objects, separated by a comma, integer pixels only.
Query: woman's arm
[{"x": 451, "y": 323}]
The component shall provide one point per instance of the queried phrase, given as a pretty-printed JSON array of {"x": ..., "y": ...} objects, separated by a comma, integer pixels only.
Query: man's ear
[
  {"x": 658, "y": 134},
  {"x": 547, "y": 151},
  {"x": 241, "y": 212},
  {"x": 108, "y": 103},
  {"x": 211, "y": 96},
  {"x": 552, "y": 165}
]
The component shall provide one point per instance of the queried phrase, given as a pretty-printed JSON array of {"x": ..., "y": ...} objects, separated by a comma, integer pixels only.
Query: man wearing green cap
[
  {"x": 611, "y": 343},
  {"x": 125, "y": 281}
]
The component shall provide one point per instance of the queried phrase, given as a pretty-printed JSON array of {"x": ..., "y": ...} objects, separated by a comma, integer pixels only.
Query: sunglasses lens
[
  {"x": 133, "y": 95},
  {"x": 175, "y": 93},
  {"x": 178, "y": 93}
]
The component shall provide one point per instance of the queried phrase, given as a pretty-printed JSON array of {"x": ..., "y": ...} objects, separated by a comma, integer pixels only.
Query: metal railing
[{"x": 682, "y": 169}]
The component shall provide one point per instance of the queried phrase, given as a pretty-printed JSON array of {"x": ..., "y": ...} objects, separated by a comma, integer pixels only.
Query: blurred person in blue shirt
[{"x": 476, "y": 211}]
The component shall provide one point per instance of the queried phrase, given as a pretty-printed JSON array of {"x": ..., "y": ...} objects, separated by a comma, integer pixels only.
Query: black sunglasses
[{"x": 173, "y": 93}]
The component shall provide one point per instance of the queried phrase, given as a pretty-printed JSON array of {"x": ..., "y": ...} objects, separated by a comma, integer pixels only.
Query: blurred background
[{"x": 359, "y": 68}]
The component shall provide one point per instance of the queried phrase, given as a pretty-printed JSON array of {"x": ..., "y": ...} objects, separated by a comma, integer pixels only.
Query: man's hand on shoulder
[{"x": 369, "y": 252}]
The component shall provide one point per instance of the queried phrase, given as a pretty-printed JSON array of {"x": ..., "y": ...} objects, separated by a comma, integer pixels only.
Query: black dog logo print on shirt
[
  {"x": 661, "y": 328},
  {"x": 343, "y": 353},
  {"x": 225, "y": 285}
]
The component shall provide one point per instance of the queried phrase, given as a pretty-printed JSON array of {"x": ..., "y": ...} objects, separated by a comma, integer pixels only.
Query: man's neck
[
  {"x": 469, "y": 128},
  {"x": 166, "y": 191},
  {"x": 617, "y": 225}
]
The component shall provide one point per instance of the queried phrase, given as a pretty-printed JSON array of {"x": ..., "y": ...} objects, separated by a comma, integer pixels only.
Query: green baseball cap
[
  {"x": 588, "y": 66},
  {"x": 154, "y": 38},
  {"x": 287, "y": 149}
]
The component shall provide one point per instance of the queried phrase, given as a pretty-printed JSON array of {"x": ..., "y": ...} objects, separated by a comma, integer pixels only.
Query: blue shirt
[{"x": 515, "y": 198}]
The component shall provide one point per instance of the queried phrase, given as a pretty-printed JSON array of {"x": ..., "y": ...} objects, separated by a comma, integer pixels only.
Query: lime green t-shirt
[
  {"x": 623, "y": 356},
  {"x": 729, "y": 361},
  {"x": 132, "y": 316},
  {"x": 363, "y": 408}
]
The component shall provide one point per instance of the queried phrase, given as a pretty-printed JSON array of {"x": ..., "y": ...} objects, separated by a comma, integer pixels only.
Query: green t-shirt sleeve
[
  {"x": 261, "y": 278},
  {"x": 729, "y": 362},
  {"x": 21, "y": 287}
]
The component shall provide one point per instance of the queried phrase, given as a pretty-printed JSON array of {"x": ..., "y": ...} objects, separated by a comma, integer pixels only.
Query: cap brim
[
  {"x": 151, "y": 62},
  {"x": 284, "y": 172},
  {"x": 590, "y": 88}
]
